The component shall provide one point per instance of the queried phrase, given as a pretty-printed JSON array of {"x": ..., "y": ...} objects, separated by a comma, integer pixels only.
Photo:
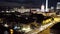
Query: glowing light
[
  {"x": 6, "y": 25},
  {"x": 38, "y": 10},
  {"x": 46, "y": 5},
  {"x": 7, "y": 11},
  {"x": 45, "y": 26},
  {"x": 42, "y": 8},
  {"x": 57, "y": 19},
  {"x": 2, "y": 11},
  {"x": 52, "y": 7},
  {"x": 15, "y": 27},
  {"x": 12, "y": 11},
  {"x": 11, "y": 31},
  {"x": 26, "y": 29},
  {"x": 47, "y": 21}
]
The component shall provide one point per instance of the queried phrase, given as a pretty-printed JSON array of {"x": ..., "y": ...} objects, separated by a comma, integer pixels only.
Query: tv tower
[{"x": 46, "y": 5}]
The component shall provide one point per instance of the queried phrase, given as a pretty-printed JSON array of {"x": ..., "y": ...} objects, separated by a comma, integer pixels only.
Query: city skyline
[{"x": 28, "y": 3}]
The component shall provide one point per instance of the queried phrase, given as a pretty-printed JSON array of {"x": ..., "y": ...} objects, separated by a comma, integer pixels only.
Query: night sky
[{"x": 28, "y": 3}]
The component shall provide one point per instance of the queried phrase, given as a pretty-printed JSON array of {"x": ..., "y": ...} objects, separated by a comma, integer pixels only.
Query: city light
[
  {"x": 7, "y": 11},
  {"x": 38, "y": 9},
  {"x": 46, "y": 6},
  {"x": 26, "y": 29},
  {"x": 2, "y": 11},
  {"x": 5, "y": 25},
  {"x": 52, "y": 7},
  {"x": 11, "y": 31},
  {"x": 42, "y": 8},
  {"x": 12, "y": 11}
]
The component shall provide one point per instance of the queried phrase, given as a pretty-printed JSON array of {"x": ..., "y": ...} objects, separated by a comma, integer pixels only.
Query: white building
[{"x": 58, "y": 5}]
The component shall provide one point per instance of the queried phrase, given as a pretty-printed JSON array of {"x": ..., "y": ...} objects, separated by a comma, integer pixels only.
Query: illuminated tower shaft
[{"x": 46, "y": 5}]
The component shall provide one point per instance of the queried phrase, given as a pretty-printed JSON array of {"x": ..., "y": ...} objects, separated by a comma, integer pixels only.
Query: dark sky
[
  {"x": 58, "y": 0},
  {"x": 28, "y": 3}
]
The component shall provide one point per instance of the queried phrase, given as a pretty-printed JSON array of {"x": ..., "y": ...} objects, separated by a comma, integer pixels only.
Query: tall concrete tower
[{"x": 46, "y": 5}]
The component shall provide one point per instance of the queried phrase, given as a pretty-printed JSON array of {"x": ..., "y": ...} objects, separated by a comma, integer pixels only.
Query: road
[{"x": 45, "y": 29}]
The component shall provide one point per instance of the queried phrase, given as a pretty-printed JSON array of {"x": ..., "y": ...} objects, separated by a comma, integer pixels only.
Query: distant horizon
[{"x": 27, "y": 3}]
